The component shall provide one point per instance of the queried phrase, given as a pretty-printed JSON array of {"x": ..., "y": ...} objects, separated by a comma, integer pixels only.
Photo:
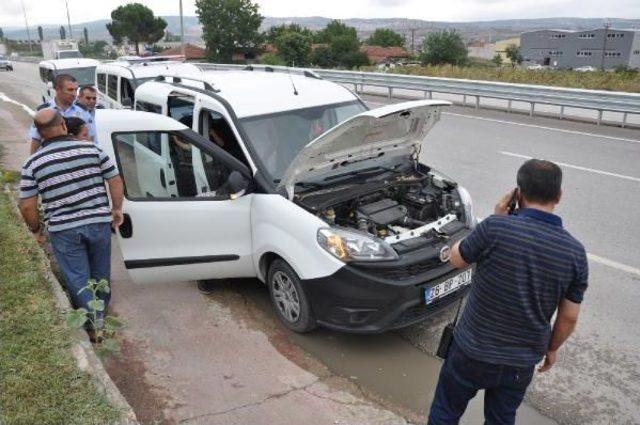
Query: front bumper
[{"x": 359, "y": 301}]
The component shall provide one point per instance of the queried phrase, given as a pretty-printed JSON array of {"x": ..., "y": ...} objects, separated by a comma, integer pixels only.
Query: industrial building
[{"x": 606, "y": 48}]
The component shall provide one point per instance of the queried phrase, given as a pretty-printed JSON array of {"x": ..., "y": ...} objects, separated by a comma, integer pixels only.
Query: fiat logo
[{"x": 445, "y": 253}]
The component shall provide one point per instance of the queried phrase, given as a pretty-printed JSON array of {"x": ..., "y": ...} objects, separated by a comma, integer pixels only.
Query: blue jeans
[
  {"x": 460, "y": 379},
  {"x": 83, "y": 253}
]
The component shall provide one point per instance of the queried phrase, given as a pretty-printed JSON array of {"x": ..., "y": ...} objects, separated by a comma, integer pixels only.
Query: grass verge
[
  {"x": 39, "y": 380},
  {"x": 598, "y": 80}
]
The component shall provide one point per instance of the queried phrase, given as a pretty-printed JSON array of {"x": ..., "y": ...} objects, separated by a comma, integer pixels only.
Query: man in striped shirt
[
  {"x": 527, "y": 267},
  {"x": 69, "y": 175}
]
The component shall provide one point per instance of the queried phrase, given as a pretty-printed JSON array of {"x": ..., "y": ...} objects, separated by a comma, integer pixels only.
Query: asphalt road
[{"x": 598, "y": 378}]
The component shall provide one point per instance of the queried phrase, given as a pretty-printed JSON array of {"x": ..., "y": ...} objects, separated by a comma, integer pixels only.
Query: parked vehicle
[
  {"x": 60, "y": 49},
  {"x": 292, "y": 180},
  {"x": 117, "y": 81},
  {"x": 82, "y": 69},
  {"x": 5, "y": 63},
  {"x": 585, "y": 69}
]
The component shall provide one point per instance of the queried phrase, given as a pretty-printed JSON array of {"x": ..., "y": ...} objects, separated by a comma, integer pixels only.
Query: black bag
[{"x": 447, "y": 335}]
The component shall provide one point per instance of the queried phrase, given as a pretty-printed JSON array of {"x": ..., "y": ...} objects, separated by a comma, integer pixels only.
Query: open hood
[{"x": 389, "y": 131}]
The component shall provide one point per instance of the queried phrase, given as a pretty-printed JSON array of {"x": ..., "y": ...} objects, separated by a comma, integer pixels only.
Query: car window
[
  {"x": 276, "y": 139},
  {"x": 102, "y": 83},
  {"x": 148, "y": 107},
  {"x": 181, "y": 109},
  {"x": 126, "y": 89},
  {"x": 161, "y": 165},
  {"x": 85, "y": 75},
  {"x": 214, "y": 126},
  {"x": 112, "y": 83}
]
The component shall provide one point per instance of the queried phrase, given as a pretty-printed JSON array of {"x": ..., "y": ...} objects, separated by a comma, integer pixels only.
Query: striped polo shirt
[
  {"x": 525, "y": 265},
  {"x": 69, "y": 175}
]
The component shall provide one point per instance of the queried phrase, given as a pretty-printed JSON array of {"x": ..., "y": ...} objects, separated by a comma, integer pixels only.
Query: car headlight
[
  {"x": 467, "y": 203},
  {"x": 353, "y": 246}
]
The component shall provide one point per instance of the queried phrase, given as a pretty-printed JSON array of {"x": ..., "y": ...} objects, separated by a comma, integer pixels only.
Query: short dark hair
[
  {"x": 61, "y": 78},
  {"x": 89, "y": 87},
  {"x": 74, "y": 125},
  {"x": 539, "y": 180}
]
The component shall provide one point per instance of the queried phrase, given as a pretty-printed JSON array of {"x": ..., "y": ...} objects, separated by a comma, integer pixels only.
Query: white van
[
  {"x": 117, "y": 81},
  {"x": 84, "y": 70},
  {"x": 291, "y": 180}
]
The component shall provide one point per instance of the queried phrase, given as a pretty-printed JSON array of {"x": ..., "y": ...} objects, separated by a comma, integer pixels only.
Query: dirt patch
[{"x": 127, "y": 371}]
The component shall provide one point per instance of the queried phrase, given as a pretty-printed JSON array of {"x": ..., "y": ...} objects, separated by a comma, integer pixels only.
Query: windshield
[
  {"x": 276, "y": 139},
  {"x": 65, "y": 54},
  {"x": 85, "y": 76}
]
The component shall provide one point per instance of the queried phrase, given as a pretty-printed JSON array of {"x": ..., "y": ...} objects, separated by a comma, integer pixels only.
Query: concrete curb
[{"x": 82, "y": 350}]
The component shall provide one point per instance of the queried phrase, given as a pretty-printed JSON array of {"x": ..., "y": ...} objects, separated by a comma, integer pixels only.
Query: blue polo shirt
[{"x": 525, "y": 265}]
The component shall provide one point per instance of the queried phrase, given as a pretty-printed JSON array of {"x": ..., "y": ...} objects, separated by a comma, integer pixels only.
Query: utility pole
[
  {"x": 604, "y": 43},
  {"x": 413, "y": 36},
  {"x": 26, "y": 24},
  {"x": 181, "y": 32},
  {"x": 66, "y": 2}
]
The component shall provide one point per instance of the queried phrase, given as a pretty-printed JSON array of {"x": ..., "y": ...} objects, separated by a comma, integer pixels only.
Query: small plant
[{"x": 104, "y": 327}]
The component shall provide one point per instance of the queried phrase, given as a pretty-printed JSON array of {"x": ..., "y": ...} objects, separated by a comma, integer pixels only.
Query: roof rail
[
  {"x": 286, "y": 70},
  {"x": 178, "y": 79}
]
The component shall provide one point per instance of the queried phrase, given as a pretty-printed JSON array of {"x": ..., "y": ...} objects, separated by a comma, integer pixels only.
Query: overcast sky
[{"x": 53, "y": 11}]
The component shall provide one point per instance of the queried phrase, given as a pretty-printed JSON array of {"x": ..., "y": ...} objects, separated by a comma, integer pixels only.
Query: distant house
[
  {"x": 379, "y": 54},
  {"x": 481, "y": 49},
  {"x": 191, "y": 52}
]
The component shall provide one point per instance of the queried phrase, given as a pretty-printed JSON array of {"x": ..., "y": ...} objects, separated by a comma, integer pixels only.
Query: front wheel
[{"x": 289, "y": 299}]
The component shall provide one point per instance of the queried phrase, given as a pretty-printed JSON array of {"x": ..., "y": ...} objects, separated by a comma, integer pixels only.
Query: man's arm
[
  {"x": 116, "y": 190},
  {"x": 29, "y": 211},
  {"x": 456, "y": 259},
  {"x": 565, "y": 323},
  {"x": 35, "y": 145}
]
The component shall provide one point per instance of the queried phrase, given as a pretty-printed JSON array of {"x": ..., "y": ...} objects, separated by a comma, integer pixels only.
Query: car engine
[{"x": 399, "y": 208}]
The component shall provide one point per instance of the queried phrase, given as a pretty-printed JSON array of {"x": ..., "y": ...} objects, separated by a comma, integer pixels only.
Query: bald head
[{"x": 49, "y": 123}]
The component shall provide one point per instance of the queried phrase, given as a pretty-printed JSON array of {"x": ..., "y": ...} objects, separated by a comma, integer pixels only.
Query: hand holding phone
[
  {"x": 508, "y": 203},
  {"x": 513, "y": 203}
]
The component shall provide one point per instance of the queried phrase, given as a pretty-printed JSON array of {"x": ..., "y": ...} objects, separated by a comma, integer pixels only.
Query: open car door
[{"x": 180, "y": 229}]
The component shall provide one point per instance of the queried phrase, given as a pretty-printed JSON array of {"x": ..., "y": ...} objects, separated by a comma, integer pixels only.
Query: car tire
[{"x": 289, "y": 299}]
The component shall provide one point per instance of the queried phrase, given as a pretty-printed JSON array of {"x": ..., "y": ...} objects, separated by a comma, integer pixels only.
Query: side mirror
[
  {"x": 237, "y": 185},
  {"x": 127, "y": 103}
]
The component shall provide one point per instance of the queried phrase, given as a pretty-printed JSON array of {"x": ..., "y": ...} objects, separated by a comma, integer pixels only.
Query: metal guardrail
[{"x": 598, "y": 100}]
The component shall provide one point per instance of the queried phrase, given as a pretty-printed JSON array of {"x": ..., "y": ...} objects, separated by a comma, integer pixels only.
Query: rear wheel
[{"x": 289, "y": 299}]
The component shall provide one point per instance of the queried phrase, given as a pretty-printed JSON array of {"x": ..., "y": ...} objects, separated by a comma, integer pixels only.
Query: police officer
[
  {"x": 66, "y": 87},
  {"x": 88, "y": 99}
]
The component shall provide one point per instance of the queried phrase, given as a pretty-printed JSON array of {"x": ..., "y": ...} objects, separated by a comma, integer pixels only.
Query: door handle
[
  {"x": 126, "y": 228},
  {"x": 163, "y": 181}
]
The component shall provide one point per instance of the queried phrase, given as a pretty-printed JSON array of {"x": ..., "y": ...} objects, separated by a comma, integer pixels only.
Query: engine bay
[{"x": 425, "y": 202}]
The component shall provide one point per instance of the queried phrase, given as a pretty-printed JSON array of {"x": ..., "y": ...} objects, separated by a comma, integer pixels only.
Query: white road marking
[
  {"x": 541, "y": 127},
  {"x": 577, "y": 167},
  {"x": 6, "y": 98},
  {"x": 613, "y": 264}
]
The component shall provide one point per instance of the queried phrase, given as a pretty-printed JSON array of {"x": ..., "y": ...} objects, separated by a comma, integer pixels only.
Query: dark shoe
[{"x": 207, "y": 287}]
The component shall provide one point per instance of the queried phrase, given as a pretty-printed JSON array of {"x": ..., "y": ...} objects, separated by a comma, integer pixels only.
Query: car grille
[{"x": 409, "y": 271}]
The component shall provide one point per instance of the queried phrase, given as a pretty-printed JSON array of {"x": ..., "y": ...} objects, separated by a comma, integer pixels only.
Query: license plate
[{"x": 447, "y": 286}]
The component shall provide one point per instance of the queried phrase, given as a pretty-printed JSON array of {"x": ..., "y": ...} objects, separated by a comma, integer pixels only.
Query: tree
[
  {"x": 334, "y": 29},
  {"x": 85, "y": 33},
  {"x": 274, "y": 32},
  {"x": 444, "y": 47},
  {"x": 355, "y": 59},
  {"x": 321, "y": 56},
  {"x": 228, "y": 25},
  {"x": 137, "y": 24},
  {"x": 1, "y": 34},
  {"x": 497, "y": 59},
  {"x": 513, "y": 54},
  {"x": 294, "y": 48},
  {"x": 386, "y": 38},
  {"x": 63, "y": 33},
  {"x": 40, "y": 33}
]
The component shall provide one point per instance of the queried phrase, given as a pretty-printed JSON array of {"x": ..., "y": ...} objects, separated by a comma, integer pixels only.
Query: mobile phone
[{"x": 513, "y": 203}]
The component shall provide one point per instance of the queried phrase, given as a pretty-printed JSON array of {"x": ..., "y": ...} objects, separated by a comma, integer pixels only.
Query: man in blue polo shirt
[
  {"x": 64, "y": 103},
  {"x": 527, "y": 267}
]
